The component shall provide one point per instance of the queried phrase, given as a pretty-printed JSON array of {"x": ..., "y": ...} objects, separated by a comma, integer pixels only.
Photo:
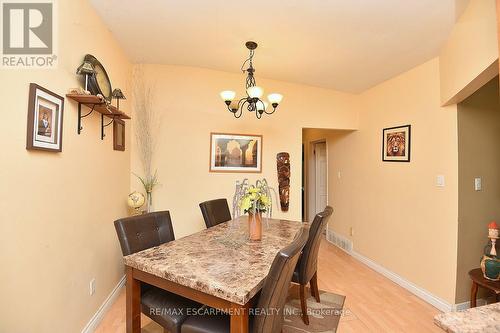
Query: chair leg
[
  {"x": 303, "y": 304},
  {"x": 314, "y": 287}
]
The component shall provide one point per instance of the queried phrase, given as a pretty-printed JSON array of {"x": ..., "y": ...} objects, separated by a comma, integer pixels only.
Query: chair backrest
[
  {"x": 215, "y": 212},
  {"x": 137, "y": 233},
  {"x": 270, "y": 307},
  {"x": 308, "y": 262}
]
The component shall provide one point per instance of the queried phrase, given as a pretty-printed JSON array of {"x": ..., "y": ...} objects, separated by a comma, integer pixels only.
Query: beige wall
[
  {"x": 189, "y": 99},
  {"x": 478, "y": 138},
  {"x": 400, "y": 219},
  {"x": 57, "y": 209},
  {"x": 470, "y": 57}
]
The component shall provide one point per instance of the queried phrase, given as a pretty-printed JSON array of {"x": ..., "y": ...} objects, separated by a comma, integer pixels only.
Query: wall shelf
[{"x": 99, "y": 105}]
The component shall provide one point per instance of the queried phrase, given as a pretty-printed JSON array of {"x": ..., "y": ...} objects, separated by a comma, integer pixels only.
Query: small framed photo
[
  {"x": 45, "y": 120},
  {"x": 396, "y": 144},
  {"x": 118, "y": 134},
  {"x": 235, "y": 152}
]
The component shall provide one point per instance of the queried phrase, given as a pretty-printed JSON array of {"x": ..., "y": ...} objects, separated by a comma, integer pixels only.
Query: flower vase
[
  {"x": 255, "y": 226},
  {"x": 149, "y": 203}
]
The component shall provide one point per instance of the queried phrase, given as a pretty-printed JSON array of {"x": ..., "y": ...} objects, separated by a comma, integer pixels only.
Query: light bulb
[
  {"x": 233, "y": 105},
  {"x": 227, "y": 95},
  {"x": 275, "y": 98},
  {"x": 261, "y": 106},
  {"x": 255, "y": 92}
]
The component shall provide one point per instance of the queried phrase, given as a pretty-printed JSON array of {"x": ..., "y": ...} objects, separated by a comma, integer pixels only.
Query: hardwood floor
[{"x": 373, "y": 303}]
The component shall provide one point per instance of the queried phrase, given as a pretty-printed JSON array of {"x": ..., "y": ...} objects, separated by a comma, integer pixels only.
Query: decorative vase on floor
[{"x": 255, "y": 226}]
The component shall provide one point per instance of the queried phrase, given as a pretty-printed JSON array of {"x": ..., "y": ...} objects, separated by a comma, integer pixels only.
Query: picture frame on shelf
[
  {"x": 45, "y": 120},
  {"x": 396, "y": 144},
  {"x": 118, "y": 134},
  {"x": 231, "y": 152}
]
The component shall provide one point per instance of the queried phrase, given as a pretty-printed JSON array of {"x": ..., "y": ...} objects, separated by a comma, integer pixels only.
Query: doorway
[
  {"x": 320, "y": 175},
  {"x": 316, "y": 170}
]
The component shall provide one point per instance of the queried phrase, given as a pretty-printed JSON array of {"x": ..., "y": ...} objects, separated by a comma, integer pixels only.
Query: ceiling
[{"x": 347, "y": 45}]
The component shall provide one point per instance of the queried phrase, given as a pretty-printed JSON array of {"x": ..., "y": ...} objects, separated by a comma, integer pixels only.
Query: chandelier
[{"x": 252, "y": 102}]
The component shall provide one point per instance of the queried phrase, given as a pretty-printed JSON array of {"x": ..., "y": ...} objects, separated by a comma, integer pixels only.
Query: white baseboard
[
  {"x": 466, "y": 305},
  {"x": 462, "y": 306},
  {"x": 108, "y": 302},
  {"x": 414, "y": 289}
]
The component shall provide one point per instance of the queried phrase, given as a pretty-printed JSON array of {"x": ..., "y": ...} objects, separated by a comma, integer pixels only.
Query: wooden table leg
[
  {"x": 473, "y": 294},
  {"x": 133, "y": 295},
  {"x": 239, "y": 318}
]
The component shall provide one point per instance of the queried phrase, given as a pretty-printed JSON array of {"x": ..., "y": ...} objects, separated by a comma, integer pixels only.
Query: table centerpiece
[{"x": 255, "y": 202}]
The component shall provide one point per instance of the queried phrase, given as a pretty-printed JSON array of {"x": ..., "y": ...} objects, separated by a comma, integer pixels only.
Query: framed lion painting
[{"x": 396, "y": 144}]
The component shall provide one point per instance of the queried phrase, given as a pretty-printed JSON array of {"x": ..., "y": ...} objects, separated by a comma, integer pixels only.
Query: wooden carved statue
[{"x": 283, "y": 164}]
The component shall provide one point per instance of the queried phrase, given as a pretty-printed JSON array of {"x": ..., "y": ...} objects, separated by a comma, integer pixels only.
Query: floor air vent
[{"x": 336, "y": 239}]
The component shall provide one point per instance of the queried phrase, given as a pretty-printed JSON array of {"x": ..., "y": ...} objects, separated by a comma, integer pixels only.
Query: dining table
[{"x": 219, "y": 267}]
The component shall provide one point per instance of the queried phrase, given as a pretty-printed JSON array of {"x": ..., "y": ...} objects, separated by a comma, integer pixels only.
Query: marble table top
[
  {"x": 484, "y": 319},
  {"x": 219, "y": 261}
]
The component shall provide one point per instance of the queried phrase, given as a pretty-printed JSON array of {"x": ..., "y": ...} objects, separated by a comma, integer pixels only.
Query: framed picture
[
  {"x": 235, "y": 152},
  {"x": 118, "y": 134},
  {"x": 45, "y": 120},
  {"x": 396, "y": 144}
]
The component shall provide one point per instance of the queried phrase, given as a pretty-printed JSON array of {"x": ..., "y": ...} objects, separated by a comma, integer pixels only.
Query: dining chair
[
  {"x": 142, "y": 232},
  {"x": 273, "y": 296},
  {"x": 215, "y": 212},
  {"x": 307, "y": 266}
]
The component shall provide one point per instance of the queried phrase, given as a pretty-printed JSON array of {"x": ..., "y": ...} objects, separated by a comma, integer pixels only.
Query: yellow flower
[
  {"x": 264, "y": 200},
  {"x": 253, "y": 190},
  {"x": 246, "y": 203}
]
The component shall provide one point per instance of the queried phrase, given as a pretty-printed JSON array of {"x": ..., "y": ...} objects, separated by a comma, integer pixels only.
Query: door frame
[{"x": 311, "y": 183}]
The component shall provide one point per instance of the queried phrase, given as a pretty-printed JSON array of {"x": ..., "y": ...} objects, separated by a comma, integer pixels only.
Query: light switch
[
  {"x": 339, "y": 175},
  {"x": 477, "y": 184},
  {"x": 440, "y": 181}
]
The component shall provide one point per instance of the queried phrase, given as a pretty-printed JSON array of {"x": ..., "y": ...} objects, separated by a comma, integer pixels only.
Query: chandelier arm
[
  {"x": 274, "y": 110},
  {"x": 240, "y": 104}
]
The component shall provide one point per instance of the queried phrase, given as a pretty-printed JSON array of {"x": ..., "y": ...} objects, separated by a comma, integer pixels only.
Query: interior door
[{"x": 321, "y": 164}]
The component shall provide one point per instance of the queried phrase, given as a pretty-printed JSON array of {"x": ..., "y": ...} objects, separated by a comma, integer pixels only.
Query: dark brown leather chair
[
  {"x": 142, "y": 232},
  {"x": 215, "y": 212},
  {"x": 306, "y": 270},
  {"x": 273, "y": 296}
]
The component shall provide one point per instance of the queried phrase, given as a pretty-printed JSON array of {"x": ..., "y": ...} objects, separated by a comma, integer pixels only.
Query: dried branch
[{"x": 147, "y": 125}]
